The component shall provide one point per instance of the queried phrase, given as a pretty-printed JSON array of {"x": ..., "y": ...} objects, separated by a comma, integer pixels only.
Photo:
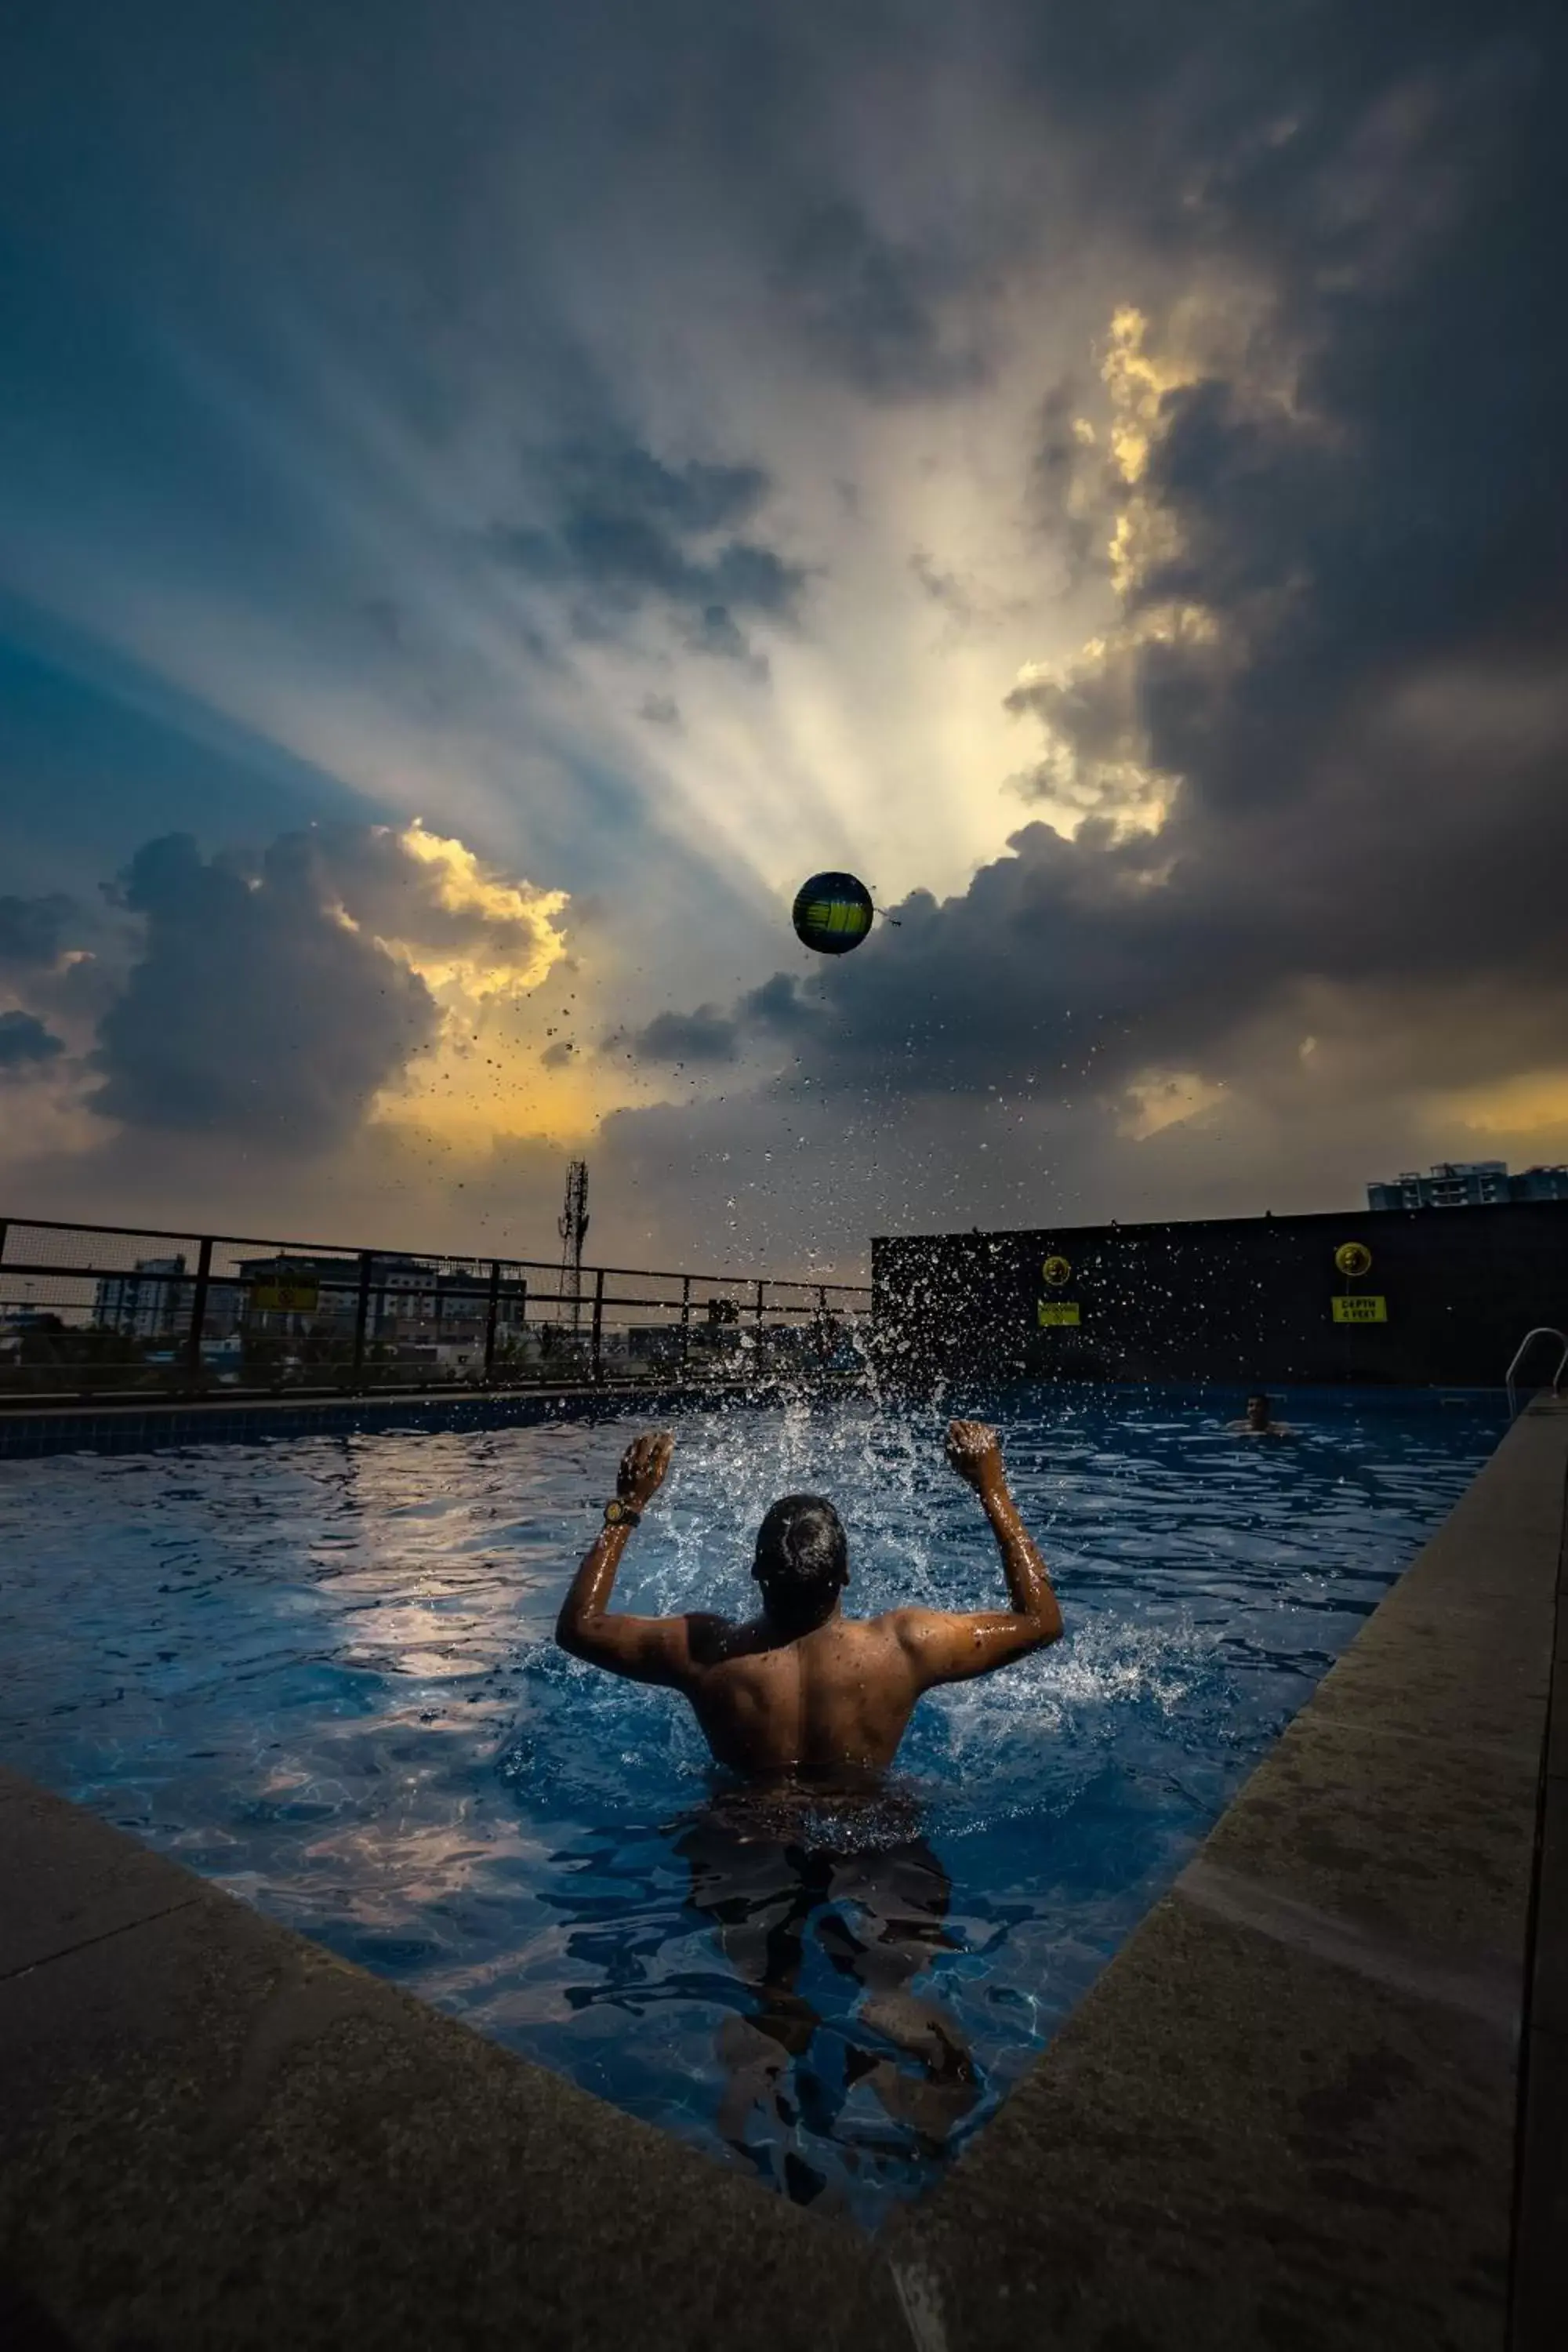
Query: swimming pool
[{"x": 320, "y": 1671}]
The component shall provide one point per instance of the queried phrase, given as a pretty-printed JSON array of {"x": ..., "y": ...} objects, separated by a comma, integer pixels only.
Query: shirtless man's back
[{"x": 802, "y": 1690}]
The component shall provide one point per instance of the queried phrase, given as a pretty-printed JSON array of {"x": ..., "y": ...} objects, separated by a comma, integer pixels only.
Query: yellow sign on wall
[
  {"x": 1057, "y": 1310},
  {"x": 1353, "y": 1259},
  {"x": 286, "y": 1297},
  {"x": 1360, "y": 1306},
  {"x": 1057, "y": 1271}
]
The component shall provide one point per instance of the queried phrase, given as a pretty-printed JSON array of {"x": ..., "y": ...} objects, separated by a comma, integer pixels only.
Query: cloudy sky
[{"x": 494, "y": 495}]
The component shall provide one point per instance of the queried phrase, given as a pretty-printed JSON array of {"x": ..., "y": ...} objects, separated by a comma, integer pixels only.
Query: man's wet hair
[
  {"x": 803, "y": 1559},
  {"x": 1260, "y": 1396}
]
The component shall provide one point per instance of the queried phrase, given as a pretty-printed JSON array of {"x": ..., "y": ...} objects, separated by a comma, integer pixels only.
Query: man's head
[
  {"x": 1257, "y": 1410},
  {"x": 802, "y": 1561}
]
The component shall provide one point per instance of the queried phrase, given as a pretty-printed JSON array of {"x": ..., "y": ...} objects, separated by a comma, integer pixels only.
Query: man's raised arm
[
  {"x": 946, "y": 1646},
  {"x": 646, "y": 1649}
]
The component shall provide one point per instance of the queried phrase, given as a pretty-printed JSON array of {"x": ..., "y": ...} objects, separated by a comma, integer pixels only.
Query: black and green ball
[{"x": 832, "y": 913}]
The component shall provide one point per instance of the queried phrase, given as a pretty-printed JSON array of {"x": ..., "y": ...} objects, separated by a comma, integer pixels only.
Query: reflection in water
[{"x": 770, "y": 1869}]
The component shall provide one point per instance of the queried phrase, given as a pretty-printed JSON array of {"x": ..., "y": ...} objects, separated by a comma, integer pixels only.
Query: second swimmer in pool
[
  {"x": 1259, "y": 1420},
  {"x": 800, "y": 1691}
]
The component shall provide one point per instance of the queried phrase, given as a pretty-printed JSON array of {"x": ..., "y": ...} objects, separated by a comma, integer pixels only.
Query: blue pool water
[{"x": 320, "y": 1671}]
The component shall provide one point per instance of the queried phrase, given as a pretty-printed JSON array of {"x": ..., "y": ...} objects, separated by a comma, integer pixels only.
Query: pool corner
[
  {"x": 1289, "y": 2110},
  {"x": 217, "y": 2133}
]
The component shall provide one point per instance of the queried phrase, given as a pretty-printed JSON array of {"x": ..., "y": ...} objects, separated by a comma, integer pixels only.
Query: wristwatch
[{"x": 620, "y": 1515}]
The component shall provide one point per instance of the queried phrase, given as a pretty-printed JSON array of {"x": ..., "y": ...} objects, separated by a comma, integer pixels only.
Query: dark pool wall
[{"x": 1447, "y": 1299}]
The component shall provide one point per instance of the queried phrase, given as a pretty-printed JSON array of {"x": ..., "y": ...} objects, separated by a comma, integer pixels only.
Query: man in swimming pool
[
  {"x": 802, "y": 1691},
  {"x": 1260, "y": 1422}
]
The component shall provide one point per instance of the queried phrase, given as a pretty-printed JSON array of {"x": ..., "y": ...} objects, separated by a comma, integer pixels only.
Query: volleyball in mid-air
[{"x": 832, "y": 913}]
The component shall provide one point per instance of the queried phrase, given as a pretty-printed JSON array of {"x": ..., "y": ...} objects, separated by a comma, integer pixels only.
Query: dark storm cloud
[
  {"x": 1379, "y": 731},
  {"x": 1397, "y": 183},
  {"x": 1370, "y": 726},
  {"x": 705, "y": 1034},
  {"x": 628, "y": 530},
  {"x": 33, "y": 930},
  {"x": 1097, "y": 956},
  {"x": 1061, "y": 462},
  {"x": 779, "y": 1005},
  {"x": 775, "y": 1010},
  {"x": 990, "y": 985},
  {"x": 690, "y": 499},
  {"x": 25, "y": 1045},
  {"x": 254, "y": 1012},
  {"x": 873, "y": 307}
]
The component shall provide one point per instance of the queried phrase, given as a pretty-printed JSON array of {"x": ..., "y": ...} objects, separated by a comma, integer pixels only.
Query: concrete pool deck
[{"x": 1291, "y": 2113}]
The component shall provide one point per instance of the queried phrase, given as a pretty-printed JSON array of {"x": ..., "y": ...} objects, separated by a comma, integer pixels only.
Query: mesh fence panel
[{"x": 100, "y": 1310}]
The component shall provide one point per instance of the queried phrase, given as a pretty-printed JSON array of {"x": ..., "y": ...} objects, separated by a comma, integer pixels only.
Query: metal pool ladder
[{"x": 1541, "y": 1331}]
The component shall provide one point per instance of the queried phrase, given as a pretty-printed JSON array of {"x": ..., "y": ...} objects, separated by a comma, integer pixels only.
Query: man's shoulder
[
  {"x": 709, "y": 1637},
  {"x": 906, "y": 1625},
  {"x": 861, "y": 1634}
]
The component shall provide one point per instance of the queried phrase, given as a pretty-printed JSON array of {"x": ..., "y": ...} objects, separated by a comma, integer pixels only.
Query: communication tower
[{"x": 572, "y": 1225}]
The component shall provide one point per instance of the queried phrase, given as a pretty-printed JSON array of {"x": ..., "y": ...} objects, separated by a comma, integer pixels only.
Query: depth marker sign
[{"x": 1353, "y": 1260}]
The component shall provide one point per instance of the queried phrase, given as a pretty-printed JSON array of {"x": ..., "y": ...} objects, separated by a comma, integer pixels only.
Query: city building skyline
[{"x": 1467, "y": 1184}]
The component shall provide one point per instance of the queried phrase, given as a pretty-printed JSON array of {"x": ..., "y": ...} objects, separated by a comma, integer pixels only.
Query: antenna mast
[{"x": 572, "y": 1225}]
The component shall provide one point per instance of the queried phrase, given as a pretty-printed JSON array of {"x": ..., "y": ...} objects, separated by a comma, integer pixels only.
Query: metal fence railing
[{"x": 103, "y": 1310}]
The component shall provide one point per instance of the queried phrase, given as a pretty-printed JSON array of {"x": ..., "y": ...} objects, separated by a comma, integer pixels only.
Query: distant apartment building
[
  {"x": 407, "y": 1300},
  {"x": 1469, "y": 1184},
  {"x": 154, "y": 1302},
  {"x": 146, "y": 1304},
  {"x": 1540, "y": 1184}
]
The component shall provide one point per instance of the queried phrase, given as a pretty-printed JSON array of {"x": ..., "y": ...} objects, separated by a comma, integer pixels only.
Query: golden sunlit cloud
[
  {"x": 1096, "y": 760},
  {"x": 1532, "y": 1102},
  {"x": 1097, "y": 757},
  {"x": 519, "y": 942},
  {"x": 1216, "y": 332},
  {"x": 1136, "y": 382},
  {"x": 484, "y": 943},
  {"x": 1162, "y": 1098}
]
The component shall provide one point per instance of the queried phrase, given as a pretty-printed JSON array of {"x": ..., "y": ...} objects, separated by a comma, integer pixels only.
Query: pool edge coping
[
  {"x": 1147, "y": 2232},
  {"x": 36, "y": 1431},
  {"x": 1246, "y": 2082}
]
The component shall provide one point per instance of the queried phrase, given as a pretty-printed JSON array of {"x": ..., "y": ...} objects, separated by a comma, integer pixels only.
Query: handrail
[
  {"x": 1541, "y": 1331},
  {"x": 429, "y": 1289},
  {"x": 348, "y": 1250},
  {"x": 450, "y": 1289}
]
